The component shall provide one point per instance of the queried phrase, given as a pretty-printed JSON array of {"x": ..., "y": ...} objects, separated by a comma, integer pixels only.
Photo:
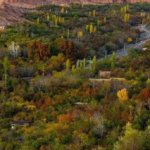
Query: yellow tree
[
  {"x": 126, "y": 18},
  {"x": 121, "y": 10},
  {"x": 127, "y": 6},
  {"x": 62, "y": 10},
  {"x": 87, "y": 28},
  {"x": 94, "y": 30},
  {"x": 66, "y": 11},
  {"x": 91, "y": 28},
  {"x": 129, "y": 40},
  {"x": 90, "y": 13},
  {"x": 94, "y": 13},
  {"x": 47, "y": 17},
  {"x": 80, "y": 34},
  {"x": 123, "y": 95},
  {"x": 125, "y": 9}
]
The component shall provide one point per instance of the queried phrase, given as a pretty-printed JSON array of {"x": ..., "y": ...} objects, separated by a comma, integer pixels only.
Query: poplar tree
[
  {"x": 38, "y": 20},
  {"x": 91, "y": 28},
  {"x": 94, "y": 30},
  {"x": 48, "y": 18},
  {"x": 90, "y": 13},
  {"x": 73, "y": 68},
  {"x": 84, "y": 63},
  {"x": 94, "y": 13},
  {"x": 62, "y": 10},
  {"x": 87, "y": 28},
  {"x": 67, "y": 64},
  {"x": 104, "y": 19},
  {"x": 6, "y": 67},
  {"x": 68, "y": 33},
  {"x": 113, "y": 60},
  {"x": 77, "y": 64},
  {"x": 94, "y": 62}
]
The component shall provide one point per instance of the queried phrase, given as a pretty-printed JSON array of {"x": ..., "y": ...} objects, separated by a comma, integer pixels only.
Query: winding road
[{"x": 124, "y": 52}]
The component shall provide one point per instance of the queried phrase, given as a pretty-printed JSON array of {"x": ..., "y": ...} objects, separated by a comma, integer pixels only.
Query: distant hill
[{"x": 11, "y": 10}]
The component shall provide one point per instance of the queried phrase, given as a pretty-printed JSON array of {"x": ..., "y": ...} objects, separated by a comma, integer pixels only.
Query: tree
[
  {"x": 14, "y": 49},
  {"x": 6, "y": 67},
  {"x": 94, "y": 13},
  {"x": 6, "y": 64},
  {"x": 104, "y": 19},
  {"x": 90, "y": 13},
  {"x": 94, "y": 30},
  {"x": 68, "y": 33},
  {"x": 38, "y": 20},
  {"x": 94, "y": 62},
  {"x": 123, "y": 95},
  {"x": 38, "y": 51},
  {"x": 62, "y": 10},
  {"x": 132, "y": 140},
  {"x": 87, "y": 28},
  {"x": 91, "y": 28},
  {"x": 67, "y": 64},
  {"x": 126, "y": 17},
  {"x": 80, "y": 34},
  {"x": 113, "y": 60},
  {"x": 130, "y": 40},
  {"x": 84, "y": 63},
  {"x": 98, "y": 22},
  {"x": 77, "y": 64},
  {"x": 47, "y": 17}
]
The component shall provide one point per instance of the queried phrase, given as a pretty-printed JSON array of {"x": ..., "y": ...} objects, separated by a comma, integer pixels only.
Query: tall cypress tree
[{"x": 113, "y": 60}]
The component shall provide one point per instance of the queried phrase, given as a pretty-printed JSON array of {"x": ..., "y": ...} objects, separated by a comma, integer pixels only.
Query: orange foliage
[
  {"x": 146, "y": 93},
  {"x": 68, "y": 48},
  {"x": 65, "y": 118},
  {"x": 38, "y": 51}
]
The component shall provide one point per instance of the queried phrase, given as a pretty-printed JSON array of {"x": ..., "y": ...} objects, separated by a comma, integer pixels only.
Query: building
[
  {"x": 18, "y": 123},
  {"x": 2, "y": 27},
  {"x": 104, "y": 74}
]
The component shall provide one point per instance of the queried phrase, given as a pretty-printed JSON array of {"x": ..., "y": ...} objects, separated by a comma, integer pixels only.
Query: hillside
[
  {"x": 11, "y": 11},
  {"x": 75, "y": 78}
]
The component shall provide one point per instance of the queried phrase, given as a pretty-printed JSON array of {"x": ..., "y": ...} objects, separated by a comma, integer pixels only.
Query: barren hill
[{"x": 11, "y": 10}]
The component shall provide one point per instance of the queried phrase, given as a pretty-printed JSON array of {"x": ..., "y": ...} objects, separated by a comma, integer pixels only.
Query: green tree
[
  {"x": 84, "y": 63},
  {"x": 113, "y": 60},
  {"x": 67, "y": 64},
  {"x": 94, "y": 62},
  {"x": 38, "y": 20},
  {"x": 105, "y": 19},
  {"x": 132, "y": 140},
  {"x": 6, "y": 65},
  {"x": 78, "y": 64},
  {"x": 47, "y": 17}
]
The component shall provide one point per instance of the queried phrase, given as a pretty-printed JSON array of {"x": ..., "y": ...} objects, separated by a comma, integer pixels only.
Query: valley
[{"x": 74, "y": 76}]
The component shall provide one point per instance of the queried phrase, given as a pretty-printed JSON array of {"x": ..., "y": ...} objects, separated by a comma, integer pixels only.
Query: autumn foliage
[
  {"x": 38, "y": 51},
  {"x": 122, "y": 95}
]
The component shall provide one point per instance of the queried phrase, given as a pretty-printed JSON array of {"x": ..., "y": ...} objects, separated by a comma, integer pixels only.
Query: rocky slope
[{"x": 11, "y": 10}]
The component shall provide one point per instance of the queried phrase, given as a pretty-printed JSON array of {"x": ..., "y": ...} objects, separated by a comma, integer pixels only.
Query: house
[
  {"x": 18, "y": 123},
  {"x": 2, "y": 27},
  {"x": 104, "y": 74},
  {"x": 144, "y": 49}
]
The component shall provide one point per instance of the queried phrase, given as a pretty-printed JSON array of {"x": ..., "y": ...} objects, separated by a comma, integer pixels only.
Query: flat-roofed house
[
  {"x": 104, "y": 74},
  {"x": 18, "y": 123}
]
